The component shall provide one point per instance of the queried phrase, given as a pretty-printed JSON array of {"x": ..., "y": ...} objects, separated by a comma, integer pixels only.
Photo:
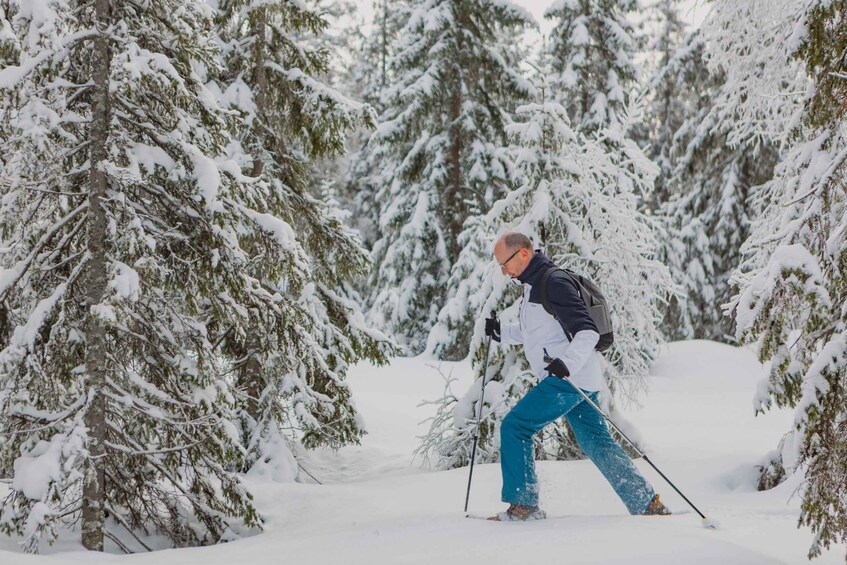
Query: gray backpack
[{"x": 594, "y": 301}]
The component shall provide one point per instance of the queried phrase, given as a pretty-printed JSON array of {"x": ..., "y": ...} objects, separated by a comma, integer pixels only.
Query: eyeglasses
[{"x": 503, "y": 264}]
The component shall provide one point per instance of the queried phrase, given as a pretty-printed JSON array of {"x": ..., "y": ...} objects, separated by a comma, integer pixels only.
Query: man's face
[{"x": 512, "y": 261}]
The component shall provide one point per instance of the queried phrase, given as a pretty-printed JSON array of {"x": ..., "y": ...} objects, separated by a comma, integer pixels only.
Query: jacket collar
[{"x": 538, "y": 265}]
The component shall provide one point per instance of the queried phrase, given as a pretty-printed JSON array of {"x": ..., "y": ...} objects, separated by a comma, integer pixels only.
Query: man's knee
[
  {"x": 593, "y": 440},
  {"x": 510, "y": 426}
]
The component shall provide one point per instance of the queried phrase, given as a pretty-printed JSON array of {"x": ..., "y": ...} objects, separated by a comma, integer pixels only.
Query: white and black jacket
[{"x": 538, "y": 330}]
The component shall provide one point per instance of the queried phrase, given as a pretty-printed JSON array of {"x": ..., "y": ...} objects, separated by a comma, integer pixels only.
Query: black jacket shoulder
[{"x": 566, "y": 301}]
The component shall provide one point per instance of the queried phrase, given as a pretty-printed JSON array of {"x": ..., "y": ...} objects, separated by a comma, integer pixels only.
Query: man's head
[{"x": 513, "y": 252}]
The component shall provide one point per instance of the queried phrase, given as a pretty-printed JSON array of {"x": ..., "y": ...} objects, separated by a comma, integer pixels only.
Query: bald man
[{"x": 570, "y": 340}]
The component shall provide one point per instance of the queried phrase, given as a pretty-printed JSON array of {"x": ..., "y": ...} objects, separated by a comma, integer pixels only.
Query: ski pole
[
  {"x": 479, "y": 414},
  {"x": 706, "y": 521}
]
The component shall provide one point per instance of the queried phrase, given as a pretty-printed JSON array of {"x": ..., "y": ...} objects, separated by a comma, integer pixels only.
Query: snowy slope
[{"x": 377, "y": 506}]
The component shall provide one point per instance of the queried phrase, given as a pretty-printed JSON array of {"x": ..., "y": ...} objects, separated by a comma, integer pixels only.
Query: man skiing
[{"x": 575, "y": 363}]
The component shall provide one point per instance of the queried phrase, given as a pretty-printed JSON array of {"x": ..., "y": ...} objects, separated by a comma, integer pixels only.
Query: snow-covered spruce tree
[
  {"x": 793, "y": 286},
  {"x": 362, "y": 65},
  {"x": 706, "y": 196},
  {"x": 343, "y": 39},
  {"x": 292, "y": 359},
  {"x": 666, "y": 108},
  {"x": 123, "y": 262},
  {"x": 592, "y": 47},
  {"x": 749, "y": 47},
  {"x": 369, "y": 77},
  {"x": 438, "y": 155},
  {"x": 342, "y": 36},
  {"x": 371, "y": 70},
  {"x": 9, "y": 53},
  {"x": 585, "y": 197},
  {"x": 747, "y": 44}
]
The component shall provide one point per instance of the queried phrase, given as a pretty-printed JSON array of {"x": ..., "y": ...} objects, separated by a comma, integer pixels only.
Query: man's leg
[
  {"x": 546, "y": 402},
  {"x": 593, "y": 436}
]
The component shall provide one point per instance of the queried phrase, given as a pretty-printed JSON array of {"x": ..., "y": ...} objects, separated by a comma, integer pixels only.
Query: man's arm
[
  {"x": 567, "y": 303},
  {"x": 581, "y": 347}
]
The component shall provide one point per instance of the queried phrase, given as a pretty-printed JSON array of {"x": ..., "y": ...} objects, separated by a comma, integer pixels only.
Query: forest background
[{"x": 210, "y": 210}]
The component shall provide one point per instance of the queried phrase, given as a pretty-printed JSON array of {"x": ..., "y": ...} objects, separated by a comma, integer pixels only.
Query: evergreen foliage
[
  {"x": 167, "y": 315},
  {"x": 180, "y": 289},
  {"x": 592, "y": 49},
  {"x": 372, "y": 72},
  {"x": 120, "y": 224},
  {"x": 667, "y": 106},
  {"x": 291, "y": 374},
  {"x": 706, "y": 198},
  {"x": 370, "y": 76},
  {"x": 793, "y": 289},
  {"x": 438, "y": 156},
  {"x": 745, "y": 39}
]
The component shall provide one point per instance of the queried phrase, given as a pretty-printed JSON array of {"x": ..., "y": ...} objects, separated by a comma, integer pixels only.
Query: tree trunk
[
  {"x": 93, "y": 494},
  {"x": 455, "y": 208},
  {"x": 258, "y": 21},
  {"x": 250, "y": 370},
  {"x": 453, "y": 205},
  {"x": 383, "y": 48}
]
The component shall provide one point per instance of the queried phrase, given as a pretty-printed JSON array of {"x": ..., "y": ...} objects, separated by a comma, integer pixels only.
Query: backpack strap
[
  {"x": 545, "y": 294},
  {"x": 545, "y": 297}
]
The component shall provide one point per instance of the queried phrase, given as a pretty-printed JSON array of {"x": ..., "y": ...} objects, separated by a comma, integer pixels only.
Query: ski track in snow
[{"x": 377, "y": 505}]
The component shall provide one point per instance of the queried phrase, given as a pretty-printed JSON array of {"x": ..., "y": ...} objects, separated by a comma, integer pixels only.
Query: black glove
[
  {"x": 492, "y": 328},
  {"x": 557, "y": 367}
]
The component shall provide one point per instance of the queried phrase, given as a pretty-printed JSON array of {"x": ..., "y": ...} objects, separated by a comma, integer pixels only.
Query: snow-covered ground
[{"x": 378, "y": 506}]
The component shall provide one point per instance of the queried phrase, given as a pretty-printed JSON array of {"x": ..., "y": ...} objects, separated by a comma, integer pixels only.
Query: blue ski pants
[{"x": 551, "y": 399}]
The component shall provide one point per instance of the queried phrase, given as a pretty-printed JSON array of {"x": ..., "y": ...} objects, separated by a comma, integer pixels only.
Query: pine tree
[
  {"x": 793, "y": 287},
  {"x": 341, "y": 37},
  {"x": 584, "y": 197},
  {"x": 438, "y": 155},
  {"x": 744, "y": 38},
  {"x": 371, "y": 71},
  {"x": 666, "y": 105},
  {"x": 592, "y": 48},
  {"x": 125, "y": 228},
  {"x": 706, "y": 198},
  {"x": 363, "y": 68},
  {"x": 9, "y": 55},
  {"x": 291, "y": 373}
]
